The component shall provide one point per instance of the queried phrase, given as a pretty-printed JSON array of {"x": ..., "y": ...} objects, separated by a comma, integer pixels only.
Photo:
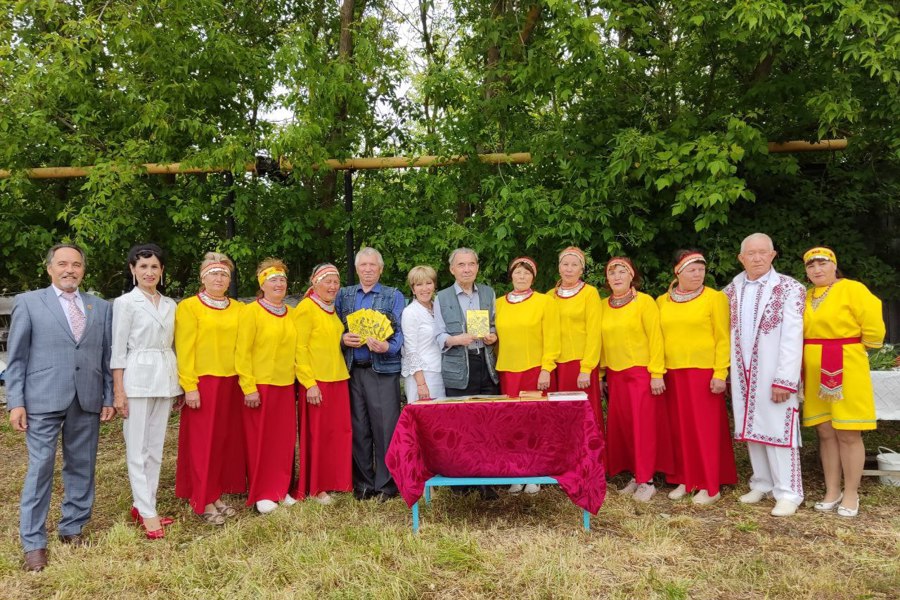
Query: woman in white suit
[
  {"x": 145, "y": 379},
  {"x": 421, "y": 360}
]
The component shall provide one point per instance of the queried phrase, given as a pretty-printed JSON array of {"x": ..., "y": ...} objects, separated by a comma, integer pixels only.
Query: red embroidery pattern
[
  {"x": 772, "y": 317},
  {"x": 796, "y": 478}
]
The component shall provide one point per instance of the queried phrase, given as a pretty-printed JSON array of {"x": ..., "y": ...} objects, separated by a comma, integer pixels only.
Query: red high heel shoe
[
  {"x": 137, "y": 518},
  {"x": 156, "y": 534}
]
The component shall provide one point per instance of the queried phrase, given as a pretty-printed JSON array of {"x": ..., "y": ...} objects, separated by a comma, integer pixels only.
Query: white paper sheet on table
[{"x": 886, "y": 385}]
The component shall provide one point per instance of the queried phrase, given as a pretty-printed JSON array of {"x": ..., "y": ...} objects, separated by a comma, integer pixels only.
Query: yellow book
[
  {"x": 478, "y": 323},
  {"x": 368, "y": 323}
]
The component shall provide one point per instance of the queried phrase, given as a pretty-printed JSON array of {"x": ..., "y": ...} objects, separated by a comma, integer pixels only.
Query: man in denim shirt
[{"x": 374, "y": 377}]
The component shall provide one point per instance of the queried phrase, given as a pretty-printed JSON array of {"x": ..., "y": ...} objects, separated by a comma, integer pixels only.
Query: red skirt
[
  {"x": 637, "y": 439},
  {"x": 326, "y": 441},
  {"x": 565, "y": 379},
  {"x": 211, "y": 444},
  {"x": 524, "y": 381},
  {"x": 698, "y": 421},
  {"x": 269, "y": 430}
]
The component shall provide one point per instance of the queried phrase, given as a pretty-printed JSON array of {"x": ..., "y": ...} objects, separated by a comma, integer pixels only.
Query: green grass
[{"x": 518, "y": 547}]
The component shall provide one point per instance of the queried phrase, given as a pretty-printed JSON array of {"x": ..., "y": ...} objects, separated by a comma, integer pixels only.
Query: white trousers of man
[
  {"x": 776, "y": 471},
  {"x": 145, "y": 436}
]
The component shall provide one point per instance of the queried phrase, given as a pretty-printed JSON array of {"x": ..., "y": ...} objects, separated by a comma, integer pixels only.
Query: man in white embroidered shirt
[{"x": 766, "y": 357}]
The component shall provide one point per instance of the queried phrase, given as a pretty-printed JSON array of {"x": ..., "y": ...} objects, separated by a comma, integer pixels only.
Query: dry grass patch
[{"x": 527, "y": 547}]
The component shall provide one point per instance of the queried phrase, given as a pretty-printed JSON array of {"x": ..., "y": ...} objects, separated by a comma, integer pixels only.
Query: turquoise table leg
[
  {"x": 427, "y": 494},
  {"x": 587, "y": 520},
  {"x": 415, "y": 517}
]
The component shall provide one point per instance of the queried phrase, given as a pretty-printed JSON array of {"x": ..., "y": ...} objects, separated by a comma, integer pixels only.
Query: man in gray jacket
[{"x": 59, "y": 381}]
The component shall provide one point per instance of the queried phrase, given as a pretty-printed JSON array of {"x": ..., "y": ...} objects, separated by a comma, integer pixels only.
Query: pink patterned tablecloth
[{"x": 500, "y": 439}]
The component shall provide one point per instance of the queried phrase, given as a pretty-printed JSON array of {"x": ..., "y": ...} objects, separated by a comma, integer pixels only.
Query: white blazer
[{"x": 142, "y": 344}]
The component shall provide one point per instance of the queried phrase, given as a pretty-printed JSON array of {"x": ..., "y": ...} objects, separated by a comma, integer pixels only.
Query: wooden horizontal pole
[{"x": 387, "y": 162}]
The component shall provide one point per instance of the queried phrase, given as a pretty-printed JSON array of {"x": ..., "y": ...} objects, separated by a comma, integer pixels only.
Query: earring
[{"x": 133, "y": 279}]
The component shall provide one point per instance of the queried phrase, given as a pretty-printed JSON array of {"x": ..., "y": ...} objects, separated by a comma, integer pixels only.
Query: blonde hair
[
  {"x": 215, "y": 257},
  {"x": 421, "y": 274},
  {"x": 265, "y": 264}
]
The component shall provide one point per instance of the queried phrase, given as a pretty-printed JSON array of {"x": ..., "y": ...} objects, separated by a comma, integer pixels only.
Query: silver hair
[
  {"x": 757, "y": 236},
  {"x": 368, "y": 251},
  {"x": 52, "y": 251},
  {"x": 462, "y": 251}
]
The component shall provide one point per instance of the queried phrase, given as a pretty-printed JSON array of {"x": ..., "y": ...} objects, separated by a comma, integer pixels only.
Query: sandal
[
  {"x": 213, "y": 518},
  {"x": 225, "y": 510}
]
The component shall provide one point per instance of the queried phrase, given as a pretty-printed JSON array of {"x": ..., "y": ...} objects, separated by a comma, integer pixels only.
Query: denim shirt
[{"x": 386, "y": 300}]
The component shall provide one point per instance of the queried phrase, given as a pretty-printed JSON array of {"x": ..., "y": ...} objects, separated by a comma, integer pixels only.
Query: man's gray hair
[
  {"x": 52, "y": 251},
  {"x": 368, "y": 251},
  {"x": 757, "y": 236},
  {"x": 462, "y": 251}
]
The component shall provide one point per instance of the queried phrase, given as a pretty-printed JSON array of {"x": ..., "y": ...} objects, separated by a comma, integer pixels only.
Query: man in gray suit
[{"x": 58, "y": 380}]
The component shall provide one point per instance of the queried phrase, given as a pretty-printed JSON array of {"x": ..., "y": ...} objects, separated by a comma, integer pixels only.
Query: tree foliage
[{"x": 648, "y": 122}]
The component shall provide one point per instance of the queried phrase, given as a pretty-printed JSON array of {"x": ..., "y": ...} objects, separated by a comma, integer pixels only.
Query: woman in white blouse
[
  {"x": 145, "y": 379},
  {"x": 421, "y": 358}
]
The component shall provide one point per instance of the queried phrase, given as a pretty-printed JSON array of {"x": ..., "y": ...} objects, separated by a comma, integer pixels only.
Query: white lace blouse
[{"x": 420, "y": 351}]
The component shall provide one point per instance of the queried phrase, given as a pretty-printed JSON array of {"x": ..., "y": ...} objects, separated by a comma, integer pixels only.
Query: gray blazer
[{"x": 46, "y": 367}]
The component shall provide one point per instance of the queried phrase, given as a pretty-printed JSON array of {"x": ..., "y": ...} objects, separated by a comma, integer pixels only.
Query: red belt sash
[{"x": 831, "y": 380}]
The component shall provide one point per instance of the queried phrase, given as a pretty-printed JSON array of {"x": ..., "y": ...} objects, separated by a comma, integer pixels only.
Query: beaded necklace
[
  {"x": 679, "y": 296},
  {"x": 569, "y": 292},
  {"x": 216, "y": 303},
  {"x": 515, "y": 297},
  {"x": 278, "y": 311},
  {"x": 623, "y": 300},
  {"x": 326, "y": 306},
  {"x": 815, "y": 301}
]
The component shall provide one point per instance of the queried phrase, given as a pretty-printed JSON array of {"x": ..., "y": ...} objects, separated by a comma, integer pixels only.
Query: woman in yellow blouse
[
  {"x": 841, "y": 320},
  {"x": 265, "y": 361},
  {"x": 528, "y": 332},
  {"x": 579, "y": 326},
  {"x": 695, "y": 326},
  {"x": 211, "y": 459},
  {"x": 633, "y": 358},
  {"x": 326, "y": 462}
]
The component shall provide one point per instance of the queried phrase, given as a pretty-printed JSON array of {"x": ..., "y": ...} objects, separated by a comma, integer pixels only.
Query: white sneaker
[
  {"x": 678, "y": 493},
  {"x": 516, "y": 488},
  {"x": 288, "y": 500},
  {"x": 784, "y": 508},
  {"x": 629, "y": 488},
  {"x": 754, "y": 496},
  {"x": 644, "y": 492},
  {"x": 703, "y": 497},
  {"x": 322, "y": 498},
  {"x": 265, "y": 506},
  {"x": 532, "y": 488}
]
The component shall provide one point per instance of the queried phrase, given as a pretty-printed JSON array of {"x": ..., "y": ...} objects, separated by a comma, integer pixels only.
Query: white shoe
[
  {"x": 644, "y": 492},
  {"x": 516, "y": 488},
  {"x": 629, "y": 488},
  {"x": 849, "y": 513},
  {"x": 754, "y": 496},
  {"x": 265, "y": 506},
  {"x": 703, "y": 497},
  {"x": 829, "y": 506},
  {"x": 322, "y": 498},
  {"x": 288, "y": 500},
  {"x": 784, "y": 508},
  {"x": 678, "y": 493},
  {"x": 532, "y": 488}
]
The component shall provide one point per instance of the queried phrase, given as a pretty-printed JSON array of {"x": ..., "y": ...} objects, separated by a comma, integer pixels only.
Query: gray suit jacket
[{"x": 46, "y": 366}]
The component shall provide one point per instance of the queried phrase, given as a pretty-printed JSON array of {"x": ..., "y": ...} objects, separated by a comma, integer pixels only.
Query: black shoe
[
  {"x": 364, "y": 494},
  {"x": 488, "y": 492},
  {"x": 385, "y": 497}
]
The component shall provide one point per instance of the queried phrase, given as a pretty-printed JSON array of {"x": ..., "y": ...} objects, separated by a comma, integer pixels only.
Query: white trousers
[
  {"x": 776, "y": 470},
  {"x": 145, "y": 435},
  {"x": 435, "y": 386}
]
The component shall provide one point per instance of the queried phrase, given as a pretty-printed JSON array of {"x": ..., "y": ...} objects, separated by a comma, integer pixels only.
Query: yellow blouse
[
  {"x": 579, "y": 327},
  {"x": 696, "y": 333},
  {"x": 205, "y": 340},
  {"x": 632, "y": 336},
  {"x": 528, "y": 334},
  {"x": 849, "y": 311},
  {"x": 266, "y": 348},
  {"x": 319, "y": 356}
]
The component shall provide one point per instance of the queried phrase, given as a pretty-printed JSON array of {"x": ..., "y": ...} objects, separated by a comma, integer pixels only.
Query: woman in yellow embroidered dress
[
  {"x": 695, "y": 326},
  {"x": 632, "y": 355},
  {"x": 579, "y": 326},
  {"x": 265, "y": 360},
  {"x": 326, "y": 438},
  {"x": 211, "y": 459},
  {"x": 528, "y": 332},
  {"x": 841, "y": 320}
]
